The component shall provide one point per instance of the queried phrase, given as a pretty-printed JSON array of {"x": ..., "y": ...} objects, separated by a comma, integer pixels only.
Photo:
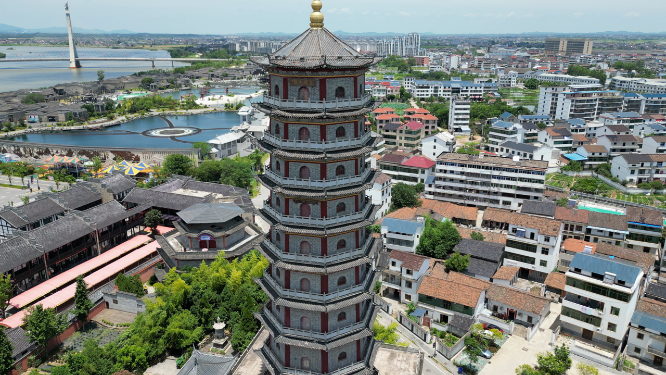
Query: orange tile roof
[
  {"x": 429, "y": 117},
  {"x": 577, "y": 246},
  {"x": 409, "y": 260},
  {"x": 543, "y": 225},
  {"x": 450, "y": 291},
  {"x": 487, "y": 236},
  {"x": 518, "y": 299},
  {"x": 556, "y": 280},
  {"x": 506, "y": 273},
  {"x": 405, "y": 213},
  {"x": 652, "y": 307},
  {"x": 450, "y": 210},
  {"x": 383, "y": 117},
  {"x": 571, "y": 214}
]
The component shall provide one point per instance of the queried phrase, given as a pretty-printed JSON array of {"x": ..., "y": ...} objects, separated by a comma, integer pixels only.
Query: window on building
[
  {"x": 393, "y": 263},
  {"x": 340, "y": 132},
  {"x": 303, "y": 93},
  {"x": 276, "y": 91},
  {"x": 305, "y": 285},
  {"x": 610, "y": 340},
  {"x": 341, "y": 207},
  {"x": 277, "y": 201},
  {"x": 277, "y": 165},
  {"x": 277, "y": 272},
  {"x": 277, "y": 128},
  {"x": 408, "y": 297},
  {"x": 305, "y": 210},
  {"x": 304, "y": 134},
  {"x": 544, "y": 251},
  {"x": 637, "y": 350},
  {"x": 408, "y": 284},
  {"x": 546, "y": 238},
  {"x": 612, "y": 327},
  {"x": 305, "y": 248},
  {"x": 341, "y": 244},
  {"x": 305, "y": 323},
  {"x": 304, "y": 173},
  {"x": 305, "y": 363},
  {"x": 640, "y": 336},
  {"x": 615, "y": 311},
  {"x": 277, "y": 236},
  {"x": 340, "y": 170},
  {"x": 543, "y": 263},
  {"x": 342, "y": 280},
  {"x": 342, "y": 316},
  {"x": 342, "y": 356}
]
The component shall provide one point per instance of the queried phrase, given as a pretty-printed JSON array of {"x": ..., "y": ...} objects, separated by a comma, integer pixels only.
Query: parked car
[
  {"x": 487, "y": 354},
  {"x": 489, "y": 326}
]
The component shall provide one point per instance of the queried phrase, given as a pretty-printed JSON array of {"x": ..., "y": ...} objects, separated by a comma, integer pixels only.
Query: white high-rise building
[
  {"x": 459, "y": 116},
  {"x": 400, "y": 45}
]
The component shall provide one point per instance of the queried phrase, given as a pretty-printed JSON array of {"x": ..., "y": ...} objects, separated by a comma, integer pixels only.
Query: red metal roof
[
  {"x": 91, "y": 280},
  {"x": 419, "y": 162},
  {"x": 414, "y": 125},
  {"x": 68, "y": 276}
]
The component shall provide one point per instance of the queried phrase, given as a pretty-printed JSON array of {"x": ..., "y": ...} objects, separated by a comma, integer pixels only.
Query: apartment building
[
  {"x": 649, "y": 129},
  {"x": 606, "y": 228},
  {"x": 578, "y": 101},
  {"x": 601, "y": 296},
  {"x": 565, "y": 78},
  {"x": 654, "y": 145},
  {"x": 448, "y": 89},
  {"x": 559, "y": 138},
  {"x": 644, "y": 227},
  {"x": 619, "y": 144},
  {"x": 526, "y": 151},
  {"x": 408, "y": 170},
  {"x": 568, "y": 46},
  {"x": 639, "y": 167},
  {"x": 438, "y": 143},
  {"x": 402, "y": 235},
  {"x": 647, "y": 333},
  {"x": 593, "y": 154},
  {"x": 501, "y": 131},
  {"x": 574, "y": 222},
  {"x": 404, "y": 135},
  {"x": 532, "y": 243},
  {"x": 629, "y": 119},
  {"x": 404, "y": 274},
  {"x": 639, "y": 85},
  {"x": 535, "y": 119},
  {"x": 486, "y": 181},
  {"x": 380, "y": 194},
  {"x": 571, "y": 247},
  {"x": 459, "y": 111},
  {"x": 614, "y": 130}
]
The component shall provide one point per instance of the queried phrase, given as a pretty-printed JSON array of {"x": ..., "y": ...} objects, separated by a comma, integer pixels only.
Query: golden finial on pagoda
[{"x": 316, "y": 17}]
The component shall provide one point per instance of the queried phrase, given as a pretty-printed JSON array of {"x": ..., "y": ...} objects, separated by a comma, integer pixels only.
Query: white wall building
[
  {"x": 380, "y": 193},
  {"x": 647, "y": 333},
  {"x": 403, "y": 235},
  {"x": 459, "y": 116},
  {"x": 438, "y": 143},
  {"x": 225, "y": 145},
  {"x": 642, "y": 85},
  {"x": 404, "y": 275}
]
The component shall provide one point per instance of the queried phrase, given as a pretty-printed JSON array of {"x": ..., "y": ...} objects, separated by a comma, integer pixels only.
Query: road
[
  {"x": 8, "y": 195},
  {"x": 440, "y": 365}
]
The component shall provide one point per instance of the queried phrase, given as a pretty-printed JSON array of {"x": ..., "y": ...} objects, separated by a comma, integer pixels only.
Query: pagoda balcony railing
[
  {"x": 319, "y": 221},
  {"x": 277, "y": 364},
  {"x": 302, "y": 182},
  {"x": 320, "y": 297},
  {"x": 311, "y": 144},
  {"x": 321, "y": 259},
  {"x": 337, "y": 103},
  {"x": 332, "y": 331}
]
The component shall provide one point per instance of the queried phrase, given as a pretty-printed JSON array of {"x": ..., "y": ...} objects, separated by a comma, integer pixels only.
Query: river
[{"x": 38, "y": 74}]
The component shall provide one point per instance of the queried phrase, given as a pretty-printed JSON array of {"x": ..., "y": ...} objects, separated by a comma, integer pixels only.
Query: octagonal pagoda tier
[{"x": 321, "y": 273}]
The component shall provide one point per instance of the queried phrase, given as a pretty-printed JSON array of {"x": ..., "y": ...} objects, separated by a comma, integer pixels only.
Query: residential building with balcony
[
  {"x": 606, "y": 228},
  {"x": 485, "y": 257},
  {"x": 459, "y": 110},
  {"x": 628, "y": 119},
  {"x": 648, "y": 129},
  {"x": 601, "y": 297},
  {"x": 532, "y": 243},
  {"x": 593, "y": 154},
  {"x": 644, "y": 260},
  {"x": 403, "y": 276},
  {"x": 380, "y": 194},
  {"x": 579, "y": 140},
  {"x": 619, "y": 144},
  {"x": 444, "y": 294},
  {"x": 647, "y": 333},
  {"x": 516, "y": 305},
  {"x": 502, "y": 131},
  {"x": 639, "y": 85},
  {"x": 634, "y": 167},
  {"x": 571, "y": 247},
  {"x": 578, "y": 101},
  {"x": 404, "y": 135},
  {"x": 644, "y": 226},
  {"x": 402, "y": 235},
  {"x": 487, "y": 181},
  {"x": 654, "y": 145},
  {"x": 565, "y": 78},
  {"x": 559, "y": 138},
  {"x": 437, "y": 144},
  {"x": 408, "y": 170},
  {"x": 385, "y": 119},
  {"x": 574, "y": 222},
  {"x": 526, "y": 151},
  {"x": 614, "y": 130},
  {"x": 535, "y": 119}
]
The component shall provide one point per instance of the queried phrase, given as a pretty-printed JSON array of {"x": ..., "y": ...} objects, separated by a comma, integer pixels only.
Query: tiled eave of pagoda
[
  {"x": 325, "y": 193},
  {"x": 318, "y": 155},
  {"x": 340, "y": 115}
]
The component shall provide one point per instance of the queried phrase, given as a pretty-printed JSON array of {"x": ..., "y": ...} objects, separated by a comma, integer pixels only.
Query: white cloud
[
  {"x": 403, "y": 13},
  {"x": 632, "y": 14},
  {"x": 345, "y": 11},
  {"x": 471, "y": 15},
  {"x": 578, "y": 14}
]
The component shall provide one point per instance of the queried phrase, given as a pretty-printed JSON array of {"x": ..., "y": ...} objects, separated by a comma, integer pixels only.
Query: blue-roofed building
[
  {"x": 400, "y": 234},
  {"x": 628, "y": 119},
  {"x": 601, "y": 296},
  {"x": 507, "y": 116},
  {"x": 536, "y": 119},
  {"x": 424, "y": 89},
  {"x": 647, "y": 333}
]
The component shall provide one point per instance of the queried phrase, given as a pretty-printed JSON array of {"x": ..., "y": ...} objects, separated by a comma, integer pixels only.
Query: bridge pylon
[{"x": 73, "y": 56}]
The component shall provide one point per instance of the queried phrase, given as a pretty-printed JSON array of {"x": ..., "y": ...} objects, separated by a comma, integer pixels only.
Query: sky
[{"x": 292, "y": 16}]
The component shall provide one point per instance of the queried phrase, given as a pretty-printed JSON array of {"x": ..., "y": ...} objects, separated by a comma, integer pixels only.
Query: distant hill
[{"x": 4, "y": 28}]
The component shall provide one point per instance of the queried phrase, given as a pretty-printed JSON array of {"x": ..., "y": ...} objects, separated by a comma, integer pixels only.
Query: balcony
[
  {"x": 319, "y": 221},
  {"x": 279, "y": 368},
  {"x": 657, "y": 352},
  {"x": 337, "y": 104},
  {"x": 321, "y": 259},
  {"x": 365, "y": 285},
  {"x": 310, "y": 183},
  {"x": 317, "y": 144},
  {"x": 591, "y": 307},
  {"x": 267, "y": 316}
]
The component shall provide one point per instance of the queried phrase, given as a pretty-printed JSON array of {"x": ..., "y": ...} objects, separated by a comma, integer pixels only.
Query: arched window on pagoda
[
  {"x": 340, "y": 170},
  {"x": 277, "y": 165},
  {"x": 340, "y": 132},
  {"x": 277, "y": 201},
  {"x": 340, "y": 92},
  {"x": 276, "y": 91},
  {"x": 305, "y": 285},
  {"x": 341, "y": 207},
  {"x": 305, "y": 323},
  {"x": 305, "y": 210},
  {"x": 277, "y": 237},
  {"x": 305, "y": 363},
  {"x": 304, "y": 93},
  {"x": 304, "y": 173},
  {"x": 341, "y": 244},
  {"x": 304, "y": 134},
  {"x": 305, "y": 248},
  {"x": 342, "y": 316},
  {"x": 277, "y": 128},
  {"x": 342, "y": 281},
  {"x": 342, "y": 356}
]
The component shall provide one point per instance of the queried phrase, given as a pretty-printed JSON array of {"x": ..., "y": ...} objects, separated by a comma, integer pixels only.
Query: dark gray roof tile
[
  {"x": 539, "y": 208},
  {"x": 480, "y": 249}
]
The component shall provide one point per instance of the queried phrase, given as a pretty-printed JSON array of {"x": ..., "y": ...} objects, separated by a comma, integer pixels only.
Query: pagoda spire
[{"x": 316, "y": 17}]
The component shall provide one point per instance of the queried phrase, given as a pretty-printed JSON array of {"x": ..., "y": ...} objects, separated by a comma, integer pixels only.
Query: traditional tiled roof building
[{"x": 320, "y": 277}]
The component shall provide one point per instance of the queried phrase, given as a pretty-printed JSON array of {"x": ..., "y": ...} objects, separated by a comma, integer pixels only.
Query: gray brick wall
[
  {"x": 349, "y": 238},
  {"x": 295, "y": 169},
  {"x": 314, "y": 92},
  {"x": 331, "y": 131},
  {"x": 347, "y": 164},
  {"x": 315, "y": 281},
  {"x": 126, "y": 302},
  {"x": 294, "y": 131},
  {"x": 232, "y": 239},
  {"x": 333, "y": 83},
  {"x": 275, "y": 80},
  {"x": 349, "y": 203}
]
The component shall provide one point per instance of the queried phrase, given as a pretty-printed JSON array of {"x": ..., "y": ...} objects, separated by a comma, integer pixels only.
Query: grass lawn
[{"x": 399, "y": 107}]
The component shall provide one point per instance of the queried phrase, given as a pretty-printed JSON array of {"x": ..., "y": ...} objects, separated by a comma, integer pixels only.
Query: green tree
[
  {"x": 209, "y": 171},
  {"x": 557, "y": 363},
  {"x": 43, "y": 324},
  {"x": 656, "y": 185},
  {"x": 236, "y": 172},
  {"x": 96, "y": 165},
  {"x": 438, "y": 239},
  {"x": 390, "y": 97},
  {"x": 24, "y": 198},
  {"x": 177, "y": 164},
  {"x": 584, "y": 369},
  {"x": 33, "y": 98},
  {"x": 130, "y": 284},
  {"x": 573, "y": 166},
  {"x": 541, "y": 125},
  {"x": 6, "y": 348},
  {"x": 457, "y": 262},
  {"x": 532, "y": 84},
  {"x": 6, "y": 293},
  {"x": 473, "y": 348},
  {"x": 204, "y": 149},
  {"x": 152, "y": 219},
  {"x": 375, "y": 228},
  {"x": 562, "y": 202},
  {"x": 23, "y": 170},
  {"x": 527, "y": 370},
  {"x": 468, "y": 148},
  {"x": 132, "y": 358},
  {"x": 477, "y": 236},
  {"x": 404, "y": 195},
  {"x": 82, "y": 303},
  {"x": 145, "y": 82},
  {"x": 387, "y": 334},
  {"x": 100, "y": 75},
  {"x": 604, "y": 170},
  {"x": 257, "y": 159}
]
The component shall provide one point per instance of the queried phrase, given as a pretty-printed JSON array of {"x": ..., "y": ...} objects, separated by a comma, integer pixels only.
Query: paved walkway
[
  {"x": 440, "y": 365},
  {"x": 13, "y": 195}
]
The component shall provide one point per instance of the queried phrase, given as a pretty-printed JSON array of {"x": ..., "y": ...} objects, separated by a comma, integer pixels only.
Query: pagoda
[{"x": 321, "y": 273}]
